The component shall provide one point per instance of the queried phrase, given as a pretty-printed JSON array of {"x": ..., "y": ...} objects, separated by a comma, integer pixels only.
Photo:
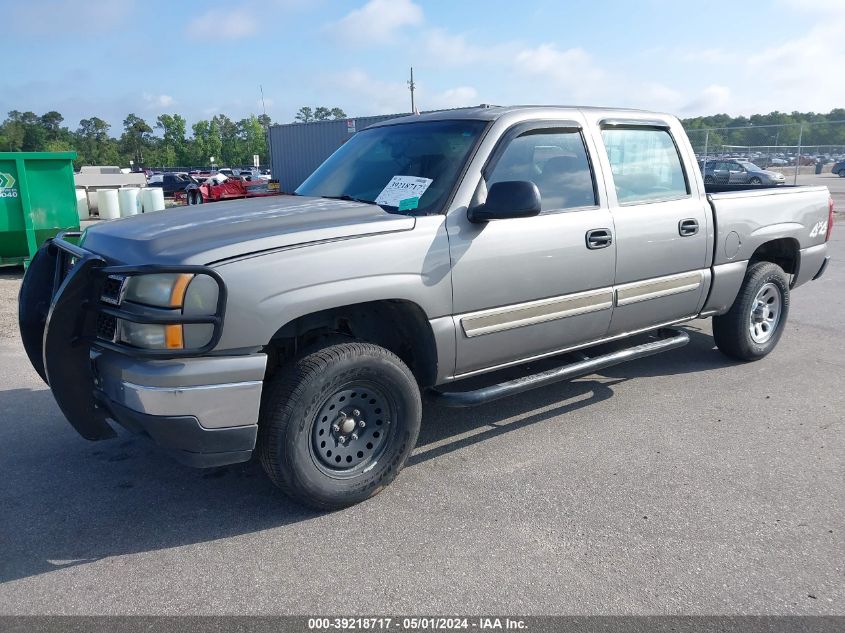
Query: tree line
[
  {"x": 160, "y": 143},
  {"x": 165, "y": 142},
  {"x": 775, "y": 128}
]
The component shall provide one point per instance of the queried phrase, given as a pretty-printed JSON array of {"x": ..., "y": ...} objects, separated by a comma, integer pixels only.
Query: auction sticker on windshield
[{"x": 401, "y": 188}]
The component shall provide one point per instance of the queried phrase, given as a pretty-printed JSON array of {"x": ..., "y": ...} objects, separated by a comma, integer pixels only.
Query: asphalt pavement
[{"x": 685, "y": 483}]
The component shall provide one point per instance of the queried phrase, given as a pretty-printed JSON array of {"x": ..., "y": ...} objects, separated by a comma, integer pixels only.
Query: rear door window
[{"x": 645, "y": 164}]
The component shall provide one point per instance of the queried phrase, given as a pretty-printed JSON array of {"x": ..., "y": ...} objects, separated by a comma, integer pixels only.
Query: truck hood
[{"x": 208, "y": 233}]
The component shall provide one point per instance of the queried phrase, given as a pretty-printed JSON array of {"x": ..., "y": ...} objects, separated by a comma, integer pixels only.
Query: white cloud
[
  {"x": 712, "y": 100},
  {"x": 377, "y": 22},
  {"x": 228, "y": 24},
  {"x": 707, "y": 56},
  {"x": 66, "y": 16},
  {"x": 157, "y": 101},
  {"x": 572, "y": 69},
  {"x": 364, "y": 95},
  {"x": 458, "y": 97},
  {"x": 368, "y": 95},
  {"x": 798, "y": 74},
  {"x": 445, "y": 48}
]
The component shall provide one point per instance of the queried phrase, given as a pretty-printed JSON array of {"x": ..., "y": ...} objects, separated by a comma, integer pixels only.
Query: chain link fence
[{"x": 792, "y": 149}]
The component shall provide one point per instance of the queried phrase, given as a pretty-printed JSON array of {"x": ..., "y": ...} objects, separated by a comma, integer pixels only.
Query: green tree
[
  {"x": 136, "y": 138},
  {"x": 303, "y": 115},
  {"x": 173, "y": 145},
  {"x": 51, "y": 122},
  {"x": 94, "y": 144},
  {"x": 229, "y": 141},
  {"x": 253, "y": 140},
  {"x": 321, "y": 113}
]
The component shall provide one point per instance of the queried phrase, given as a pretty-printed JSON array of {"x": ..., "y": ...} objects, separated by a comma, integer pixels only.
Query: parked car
[
  {"x": 427, "y": 250},
  {"x": 740, "y": 172},
  {"x": 172, "y": 182},
  {"x": 839, "y": 169}
]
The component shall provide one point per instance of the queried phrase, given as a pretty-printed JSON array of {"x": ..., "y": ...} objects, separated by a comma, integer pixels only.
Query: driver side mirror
[{"x": 508, "y": 199}]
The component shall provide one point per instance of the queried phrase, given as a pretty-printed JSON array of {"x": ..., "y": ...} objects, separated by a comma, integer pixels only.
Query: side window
[
  {"x": 555, "y": 160},
  {"x": 645, "y": 164}
]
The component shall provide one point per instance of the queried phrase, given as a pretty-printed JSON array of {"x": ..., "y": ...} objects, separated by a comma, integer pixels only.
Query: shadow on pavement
[
  {"x": 65, "y": 501},
  {"x": 12, "y": 273}
]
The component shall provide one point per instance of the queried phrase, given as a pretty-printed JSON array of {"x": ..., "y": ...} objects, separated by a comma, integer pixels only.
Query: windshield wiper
[{"x": 348, "y": 198}]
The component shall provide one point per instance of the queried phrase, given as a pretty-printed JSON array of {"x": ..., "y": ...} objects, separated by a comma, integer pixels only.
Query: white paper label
[{"x": 402, "y": 188}]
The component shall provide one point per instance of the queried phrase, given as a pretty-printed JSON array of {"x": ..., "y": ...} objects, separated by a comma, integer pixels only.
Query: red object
[{"x": 231, "y": 189}]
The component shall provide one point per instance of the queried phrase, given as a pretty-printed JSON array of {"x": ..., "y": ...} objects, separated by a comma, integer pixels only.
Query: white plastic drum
[
  {"x": 130, "y": 203},
  {"x": 152, "y": 199},
  {"x": 82, "y": 204},
  {"x": 107, "y": 204}
]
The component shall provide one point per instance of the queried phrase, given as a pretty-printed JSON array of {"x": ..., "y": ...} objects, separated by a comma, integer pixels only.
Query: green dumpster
[{"x": 37, "y": 200}]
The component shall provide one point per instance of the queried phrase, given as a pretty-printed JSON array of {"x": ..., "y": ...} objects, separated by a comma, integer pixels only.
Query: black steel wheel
[
  {"x": 338, "y": 423},
  {"x": 351, "y": 429}
]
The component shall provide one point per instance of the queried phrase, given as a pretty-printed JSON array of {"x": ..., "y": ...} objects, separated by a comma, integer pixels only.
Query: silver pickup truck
[{"x": 426, "y": 250}]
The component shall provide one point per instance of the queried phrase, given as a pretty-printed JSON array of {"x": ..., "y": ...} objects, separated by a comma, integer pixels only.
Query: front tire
[
  {"x": 756, "y": 181},
  {"x": 338, "y": 424},
  {"x": 754, "y": 324}
]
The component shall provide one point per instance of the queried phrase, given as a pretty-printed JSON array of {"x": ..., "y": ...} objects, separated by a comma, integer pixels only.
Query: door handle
[
  {"x": 688, "y": 227},
  {"x": 599, "y": 238}
]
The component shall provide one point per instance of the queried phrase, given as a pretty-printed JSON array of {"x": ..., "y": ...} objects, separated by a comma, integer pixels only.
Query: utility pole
[
  {"x": 412, "y": 86},
  {"x": 266, "y": 127},
  {"x": 798, "y": 158}
]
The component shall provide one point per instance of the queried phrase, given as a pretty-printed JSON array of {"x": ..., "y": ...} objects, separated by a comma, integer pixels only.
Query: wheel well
[
  {"x": 398, "y": 325},
  {"x": 783, "y": 252}
]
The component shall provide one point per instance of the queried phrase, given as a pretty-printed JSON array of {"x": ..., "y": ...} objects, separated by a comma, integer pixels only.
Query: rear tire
[
  {"x": 754, "y": 324},
  {"x": 307, "y": 407}
]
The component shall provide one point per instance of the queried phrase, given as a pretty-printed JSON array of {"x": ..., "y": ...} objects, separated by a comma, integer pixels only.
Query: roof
[{"x": 491, "y": 113}]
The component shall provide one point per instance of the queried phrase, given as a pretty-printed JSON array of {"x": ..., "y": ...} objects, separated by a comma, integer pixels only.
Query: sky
[{"x": 107, "y": 58}]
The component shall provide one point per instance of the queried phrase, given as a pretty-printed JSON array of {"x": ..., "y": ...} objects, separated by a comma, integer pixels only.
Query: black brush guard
[{"x": 58, "y": 308}]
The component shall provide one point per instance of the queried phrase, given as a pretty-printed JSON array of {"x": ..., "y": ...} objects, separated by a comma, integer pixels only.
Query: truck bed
[{"x": 746, "y": 217}]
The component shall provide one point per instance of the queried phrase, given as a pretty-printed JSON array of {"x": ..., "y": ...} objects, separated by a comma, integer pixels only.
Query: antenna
[
  {"x": 263, "y": 107},
  {"x": 412, "y": 86}
]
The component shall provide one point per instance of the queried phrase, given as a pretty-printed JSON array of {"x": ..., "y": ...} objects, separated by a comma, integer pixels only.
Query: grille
[
  {"x": 106, "y": 327},
  {"x": 112, "y": 289}
]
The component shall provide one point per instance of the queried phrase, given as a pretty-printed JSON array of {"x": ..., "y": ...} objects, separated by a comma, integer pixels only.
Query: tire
[
  {"x": 842, "y": 173},
  {"x": 303, "y": 418},
  {"x": 746, "y": 332},
  {"x": 756, "y": 181}
]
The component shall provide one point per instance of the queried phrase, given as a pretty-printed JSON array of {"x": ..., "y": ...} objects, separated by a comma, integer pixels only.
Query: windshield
[
  {"x": 361, "y": 169},
  {"x": 749, "y": 166}
]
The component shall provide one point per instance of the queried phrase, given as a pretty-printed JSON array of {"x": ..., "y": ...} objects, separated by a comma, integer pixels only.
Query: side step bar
[{"x": 668, "y": 339}]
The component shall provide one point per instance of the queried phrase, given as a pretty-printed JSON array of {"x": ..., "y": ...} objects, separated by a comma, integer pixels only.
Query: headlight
[
  {"x": 164, "y": 290},
  {"x": 151, "y": 335},
  {"x": 180, "y": 294}
]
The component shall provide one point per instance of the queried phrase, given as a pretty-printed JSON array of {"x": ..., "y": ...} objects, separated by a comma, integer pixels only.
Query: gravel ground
[{"x": 10, "y": 283}]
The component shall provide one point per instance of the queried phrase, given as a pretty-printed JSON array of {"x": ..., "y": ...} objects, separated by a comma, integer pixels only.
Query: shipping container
[{"x": 297, "y": 149}]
